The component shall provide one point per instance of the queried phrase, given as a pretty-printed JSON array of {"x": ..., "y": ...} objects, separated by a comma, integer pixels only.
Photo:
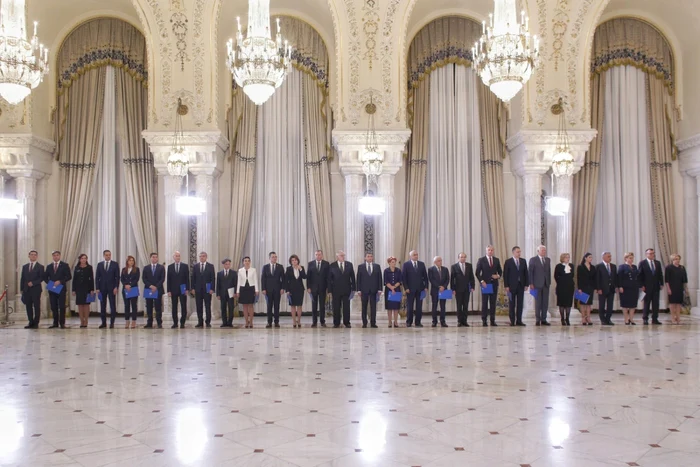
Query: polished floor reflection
[{"x": 575, "y": 397}]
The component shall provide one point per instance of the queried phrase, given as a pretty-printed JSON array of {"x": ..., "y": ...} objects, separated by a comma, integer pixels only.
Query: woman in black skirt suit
[
  {"x": 247, "y": 290},
  {"x": 294, "y": 277},
  {"x": 130, "y": 278},
  {"x": 564, "y": 277},
  {"x": 392, "y": 283},
  {"x": 629, "y": 288},
  {"x": 83, "y": 285},
  {"x": 676, "y": 287},
  {"x": 585, "y": 277}
]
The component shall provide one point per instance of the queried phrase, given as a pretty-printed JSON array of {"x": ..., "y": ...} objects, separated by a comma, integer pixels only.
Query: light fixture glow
[
  {"x": 372, "y": 206},
  {"x": 10, "y": 208},
  {"x": 557, "y": 206},
  {"x": 190, "y": 205}
]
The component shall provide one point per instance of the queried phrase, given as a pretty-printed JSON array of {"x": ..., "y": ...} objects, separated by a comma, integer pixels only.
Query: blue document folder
[
  {"x": 257, "y": 298},
  {"x": 445, "y": 295},
  {"x": 90, "y": 298},
  {"x": 289, "y": 300},
  {"x": 352, "y": 295},
  {"x": 487, "y": 289},
  {"x": 99, "y": 296},
  {"x": 133, "y": 292},
  {"x": 583, "y": 297},
  {"x": 148, "y": 293},
  {"x": 394, "y": 296},
  {"x": 183, "y": 289},
  {"x": 533, "y": 292},
  {"x": 422, "y": 295},
  {"x": 379, "y": 295},
  {"x": 208, "y": 285},
  {"x": 53, "y": 288}
]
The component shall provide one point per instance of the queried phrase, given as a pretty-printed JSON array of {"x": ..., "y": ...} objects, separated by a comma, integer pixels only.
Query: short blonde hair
[
  {"x": 674, "y": 256},
  {"x": 564, "y": 255},
  {"x": 629, "y": 254}
]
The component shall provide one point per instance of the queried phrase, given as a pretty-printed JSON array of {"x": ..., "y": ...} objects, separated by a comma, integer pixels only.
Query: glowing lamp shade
[
  {"x": 190, "y": 205},
  {"x": 557, "y": 206},
  {"x": 372, "y": 206},
  {"x": 10, "y": 208}
]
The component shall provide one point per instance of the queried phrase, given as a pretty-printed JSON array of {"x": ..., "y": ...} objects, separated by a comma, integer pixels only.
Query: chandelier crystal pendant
[
  {"x": 372, "y": 159},
  {"x": 563, "y": 161},
  {"x": 178, "y": 161},
  {"x": 23, "y": 63},
  {"x": 506, "y": 55},
  {"x": 258, "y": 63}
]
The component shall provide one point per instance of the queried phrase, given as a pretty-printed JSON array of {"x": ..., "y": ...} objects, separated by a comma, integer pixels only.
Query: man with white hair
[
  {"x": 540, "y": 278},
  {"x": 178, "y": 276},
  {"x": 341, "y": 283},
  {"x": 439, "y": 278},
  {"x": 415, "y": 280},
  {"x": 488, "y": 271}
]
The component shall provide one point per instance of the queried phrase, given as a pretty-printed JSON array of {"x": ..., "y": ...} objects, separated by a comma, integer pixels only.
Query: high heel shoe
[{"x": 396, "y": 325}]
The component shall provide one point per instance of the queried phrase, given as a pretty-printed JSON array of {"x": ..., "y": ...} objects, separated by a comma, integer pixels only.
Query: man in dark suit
[
  {"x": 415, "y": 281},
  {"x": 178, "y": 275},
  {"x": 203, "y": 278},
  {"x": 606, "y": 286},
  {"x": 488, "y": 271},
  {"x": 516, "y": 280},
  {"x": 317, "y": 286},
  {"x": 30, "y": 287},
  {"x": 540, "y": 276},
  {"x": 341, "y": 283},
  {"x": 651, "y": 280},
  {"x": 225, "y": 281},
  {"x": 462, "y": 285},
  {"x": 272, "y": 285},
  {"x": 153, "y": 278},
  {"x": 107, "y": 282},
  {"x": 439, "y": 278},
  {"x": 59, "y": 273},
  {"x": 369, "y": 284}
]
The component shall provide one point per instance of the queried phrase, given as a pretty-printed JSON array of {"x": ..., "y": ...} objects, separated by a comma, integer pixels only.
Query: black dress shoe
[
  {"x": 148, "y": 326},
  {"x": 364, "y": 326},
  {"x": 443, "y": 325},
  {"x": 224, "y": 325},
  {"x": 466, "y": 325},
  {"x": 182, "y": 326},
  {"x": 174, "y": 326},
  {"x": 111, "y": 325},
  {"x": 460, "y": 325},
  {"x": 493, "y": 323},
  {"x": 485, "y": 324},
  {"x": 348, "y": 325},
  {"x": 199, "y": 325},
  {"x": 102, "y": 326},
  {"x": 538, "y": 323},
  {"x": 277, "y": 325},
  {"x": 53, "y": 326},
  {"x": 419, "y": 325},
  {"x": 657, "y": 322},
  {"x": 434, "y": 325},
  {"x": 268, "y": 326},
  {"x": 646, "y": 322},
  {"x": 520, "y": 324},
  {"x": 336, "y": 326},
  {"x": 374, "y": 326},
  {"x": 63, "y": 326},
  {"x": 323, "y": 325},
  {"x": 29, "y": 326},
  {"x": 408, "y": 325},
  {"x": 160, "y": 326},
  {"x": 546, "y": 323},
  {"x": 208, "y": 325},
  {"x": 313, "y": 325}
]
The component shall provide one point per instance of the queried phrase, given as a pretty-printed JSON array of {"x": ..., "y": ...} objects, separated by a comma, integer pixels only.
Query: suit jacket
[
  {"x": 515, "y": 276},
  {"x": 225, "y": 283},
  {"x": 341, "y": 283},
  {"x": 628, "y": 277},
  {"x": 647, "y": 279},
  {"x": 175, "y": 280},
  {"x": 462, "y": 282},
  {"x": 484, "y": 271},
  {"x": 200, "y": 278},
  {"x": 540, "y": 274},
  {"x": 294, "y": 284},
  {"x": 106, "y": 281},
  {"x": 157, "y": 279},
  {"x": 317, "y": 280},
  {"x": 61, "y": 274},
  {"x": 414, "y": 278},
  {"x": 438, "y": 279},
  {"x": 36, "y": 277},
  {"x": 366, "y": 284},
  {"x": 273, "y": 281},
  {"x": 604, "y": 281},
  {"x": 131, "y": 279}
]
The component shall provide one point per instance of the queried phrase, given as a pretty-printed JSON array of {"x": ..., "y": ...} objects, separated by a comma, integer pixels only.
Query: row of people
[{"x": 339, "y": 278}]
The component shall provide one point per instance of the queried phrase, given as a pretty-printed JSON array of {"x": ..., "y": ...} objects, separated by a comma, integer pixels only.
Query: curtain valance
[{"x": 309, "y": 52}]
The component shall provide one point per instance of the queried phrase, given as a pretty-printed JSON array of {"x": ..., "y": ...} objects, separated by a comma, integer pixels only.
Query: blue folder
[
  {"x": 311, "y": 297},
  {"x": 580, "y": 296},
  {"x": 99, "y": 296},
  {"x": 257, "y": 298},
  {"x": 133, "y": 292},
  {"x": 510, "y": 297},
  {"x": 148, "y": 293},
  {"x": 208, "y": 285},
  {"x": 379, "y": 295},
  {"x": 289, "y": 299},
  {"x": 533, "y": 292},
  {"x": 183, "y": 289},
  {"x": 445, "y": 295},
  {"x": 422, "y": 295},
  {"x": 90, "y": 298},
  {"x": 487, "y": 289},
  {"x": 352, "y": 295},
  {"x": 394, "y": 296},
  {"x": 53, "y": 288}
]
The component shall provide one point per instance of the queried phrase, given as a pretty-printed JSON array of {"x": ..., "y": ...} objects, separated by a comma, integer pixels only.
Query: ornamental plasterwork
[
  {"x": 178, "y": 20},
  {"x": 545, "y": 102},
  {"x": 165, "y": 62},
  {"x": 199, "y": 50},
  {"x": 354, "y": 65},
  {"x": 338, "y": 59},
  {"x": 214, "y": 107},
  {"x": 370, "y": 20},
  {"x": 540, "y": 73},
  {"x": 153, "y": 115},
  {"x": 380, "y": 100},
  {"x": 560, "y": 23},
  {"x": 391, "y": 13},
  {"x": 13, "y": 115},
  {"x": 388, "y": 48},
  {"x": 573, "y": 58}
]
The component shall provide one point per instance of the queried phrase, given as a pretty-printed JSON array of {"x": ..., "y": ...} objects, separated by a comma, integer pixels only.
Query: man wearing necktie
[
  {"x": 488, "y": 271},
  {"x": 154, "y": 278},
  {"x": 540, "y": 277},
  {"x": 439, "y": 278},
  {"x": 60, "y": 274},
  {"x": 651, "y": 280},
  {"x": 369, "y": 284},
  {"x": 341, "y": 283},
  {"x": 462, "y": 284},
  {"x": 515, "y": 280},
  {"x": 178, "y": 275},
  {"x": 415, "y": 278},
  {"x": 272, "y": 285},
  {"x": 317, "y": 286},
  {"x": 107, "y": 282},
  {"x": 204, "y": 278},
  {"x": 30, "y": 288},
  {"x": 606, "y": 286},
  {"x": 226, "y": 280}
]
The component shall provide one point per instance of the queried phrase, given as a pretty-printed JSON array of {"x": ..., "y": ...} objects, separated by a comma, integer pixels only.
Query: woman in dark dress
[
  {"x": 585, "y": 277},
  {"x": 130, "y": 278},
  {"x": 247, "y": 290},
  {"x": 392, "y": 283},
  {"x": 294, "y": 277},
  {"x": 629, "y": 288},
  {"x": 564, "y": 277},
  {"x": 676, "y": 287},
  {"x": 83, "y": 285}
]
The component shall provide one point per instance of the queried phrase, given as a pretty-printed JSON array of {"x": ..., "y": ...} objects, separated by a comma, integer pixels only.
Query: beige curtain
[
  {"x": 662, "y": 153},
  {"x": 493, "y": 124}
]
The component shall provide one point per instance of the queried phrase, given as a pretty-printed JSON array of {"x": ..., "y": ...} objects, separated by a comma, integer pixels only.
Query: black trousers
[
  {"x": 273, "y": 307},
  {"x": 488, "y": 305},
  {"x": 318, "y": 305},
  {"x": 515, "y": 304},
  {"x": 414, "y": 305},
  {"x": 605, "y": 306},
  {"x": 58, "y": 307},
  {"x": 130, "y": 308},
  {"x": 338, "y": 301},
  {"x": 32, "y": 301},
  {"x": 227, "y": 310},
  {"x": 371, "y": 300},
  {"x": 203, "y": 301},
  {"x": 112, "y": 307},
  {"x": 156, "y": 303},
  {"x": 462, "y": 299},
  {"x": 651, "y": 299},
  {"x": 182, "y": 300},
  {"x": 437, "y": 301}
]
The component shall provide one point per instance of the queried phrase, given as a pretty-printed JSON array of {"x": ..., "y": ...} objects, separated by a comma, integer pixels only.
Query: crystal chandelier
[
  {"x": 258, "y": 63},
  {"x": 178, "y": 161},
  {"x": 563, "y": 161},
  {"x": 372, "y": 159},
  {"x": 506, "y": 54},
  {"x": 23, "y": 63}
]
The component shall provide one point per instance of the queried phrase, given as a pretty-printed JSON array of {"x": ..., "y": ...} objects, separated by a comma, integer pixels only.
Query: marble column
[
  {"x": 204, "y": 186},
  {"x": 385, "y": 236},
  {"x": 563, "y": 188},
  {"x": 25, "y": 188},
  {"x": 172, "y": 189},
  {"x": 3, "y": 282},
  {"x": 689, "y": 165},
  {"x": 354, "y": 220}
]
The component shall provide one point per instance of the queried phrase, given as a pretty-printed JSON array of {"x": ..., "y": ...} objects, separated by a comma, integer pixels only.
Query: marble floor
[{"x": 575, "y": 397}]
